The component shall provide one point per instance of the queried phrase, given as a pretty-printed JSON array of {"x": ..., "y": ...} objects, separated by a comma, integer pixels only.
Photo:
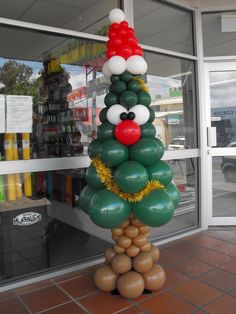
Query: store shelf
[{"x": 23, "y": 203}]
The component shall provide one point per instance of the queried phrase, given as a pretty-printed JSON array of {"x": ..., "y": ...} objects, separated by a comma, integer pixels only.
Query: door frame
[{"x": 214, "y": 151}]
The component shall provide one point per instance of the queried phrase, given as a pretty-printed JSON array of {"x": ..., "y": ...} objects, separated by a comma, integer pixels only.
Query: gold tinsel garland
[
  {"x": 105, "y": 176},
  {"x": 141, "y": 82}
]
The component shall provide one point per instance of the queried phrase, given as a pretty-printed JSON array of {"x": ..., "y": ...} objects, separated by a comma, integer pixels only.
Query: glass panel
[
  {"x": 186, "y": 214},
  {"x": 63, "y": 78},
  {"x": 164, "y": 26},
  {"x": 224, "y": 186},
  {"x": 171, "y": 84},
  {"x": 40, "y": 227},
  {"x": 218, "y": 41},
  {"x": 223, "y": 107},
  {"x": 89, "y": 16}
]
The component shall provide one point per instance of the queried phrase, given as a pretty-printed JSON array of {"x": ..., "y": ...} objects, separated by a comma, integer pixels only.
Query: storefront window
[
  {"x": 172, "y": 88},
  {"x": 85, "y": 16},
  {"x": 164, "y": 26},
  {"x": 54, "y": 96},
  {"x": 219, "y": 38}
]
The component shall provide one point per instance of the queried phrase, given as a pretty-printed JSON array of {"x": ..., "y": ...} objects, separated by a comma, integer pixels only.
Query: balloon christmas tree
[{"x": 129, "y": 186}]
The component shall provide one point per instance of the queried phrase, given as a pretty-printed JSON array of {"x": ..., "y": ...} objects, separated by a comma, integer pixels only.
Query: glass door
[{"x": 221, "y": 116}]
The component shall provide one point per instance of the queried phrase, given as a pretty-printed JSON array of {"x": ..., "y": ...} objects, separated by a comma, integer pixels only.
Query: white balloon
[
  {"x": 136, "y": 65},
  {"x": 142, "y": 114},
  {"x": 117, "y": 65},
  {"x": 114, "y": 112},
  {"x": 116, "y": 16},
  {"x": 105, "y": 70}
]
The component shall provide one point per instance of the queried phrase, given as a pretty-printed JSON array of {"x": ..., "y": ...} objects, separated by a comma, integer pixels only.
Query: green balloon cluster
[{"x": 132, "y": 166}]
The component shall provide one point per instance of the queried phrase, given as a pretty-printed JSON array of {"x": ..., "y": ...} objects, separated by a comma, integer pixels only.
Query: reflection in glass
[
  {"x": 172, "y": 88},
  {"x": 186, "y": 214},
  {"x": 223, "y": 107},
  {"x": 224, "y": 186},
  {"x": 44, "y": 230},
  {"x": 67, "y": 88},
  {"x": 164, "y": 26}
]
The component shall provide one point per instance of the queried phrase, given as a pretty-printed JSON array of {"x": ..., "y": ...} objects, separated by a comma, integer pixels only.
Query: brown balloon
[
  {"x": 109, "y": 254},
  {"x": 115, "y": 238},
  {"x": 146, "y": 247},
  {"x": 147, "y": 235},
  {"x": 155, "y": 253},
  {"x": 140, "y": 240},
  {"x": 105, "y": 278},
  {"x": 137, "y": 222},
  {"x": 125, "y": 224},
  {"x": 131, "y": 231},
  {"x": 155, "y": 278},
  {"x": 118, "y": 249},
  {"x": 121, "y": 263},
  {"x": 144, "y": 229},
  {"x": 143, "y": 262},
  {"x": 132, "y": 251},
  {"x": 117, "y": 231},
  {"x": 124, "y": 241},
  {"x": 130, "y": 285}
]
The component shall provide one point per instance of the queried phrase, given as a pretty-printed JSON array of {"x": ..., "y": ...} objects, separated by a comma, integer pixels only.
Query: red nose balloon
[{"x": 127, "y": 132}]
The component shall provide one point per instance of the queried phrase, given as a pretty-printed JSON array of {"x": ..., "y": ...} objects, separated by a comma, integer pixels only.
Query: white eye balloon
[
  {"x": 114, "y": 112},
  {"x": 142, "y": 114}
]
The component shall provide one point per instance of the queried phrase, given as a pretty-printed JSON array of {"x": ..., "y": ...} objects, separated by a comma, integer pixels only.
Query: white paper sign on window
[
  {"x": 19, "y": 114},
  {"x": 2, "y": 114}
]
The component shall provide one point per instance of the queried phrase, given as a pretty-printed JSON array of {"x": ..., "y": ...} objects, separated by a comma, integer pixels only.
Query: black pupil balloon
[
  {"x": 123, "y": 116},
  {"x": 131, "y": 115}
]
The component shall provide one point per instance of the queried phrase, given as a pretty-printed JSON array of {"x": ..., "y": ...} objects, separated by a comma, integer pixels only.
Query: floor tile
[
  {"x": 224, "y": 305},
  {"x": 68, "y": 276},
  {"x": 186, "y": 248},
  {"x": 205, "y": 241},
  {"x": 45, "y": 298},
  {"x": 68, "y": 308},
  {"x": 197, "y": 293},
  {"x": 167, "y": 303},
  {"x": 230, "y": 266},
  {"x": 233, "y": 292},
  {"x": 104, "y": 303},
  {"x": 134, "y": 310},
  {"x": 7, "y": 295},
  {"x": 213, "y": 258},
  {"x": 12, "y": 306},
  {"x": 35, "y": 286},
  {"x": 221, "y": 234},
  {"x": 227, "y": 248},
  {"x": 79, "y": 286},
  {"x": 168, "y": 257},
  {"x": 191, "y": 267},
  {"x": 199, "y": 312},
  {"x": 173, "y": 278},
  {"x": 219, "y": 279}
]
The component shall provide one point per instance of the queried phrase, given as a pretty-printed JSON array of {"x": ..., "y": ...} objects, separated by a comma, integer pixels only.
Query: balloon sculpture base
[{"x": 131, "y": 269}]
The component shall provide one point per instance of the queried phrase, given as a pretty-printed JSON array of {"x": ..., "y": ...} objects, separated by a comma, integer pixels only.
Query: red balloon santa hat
[{"x": 123, "y": 51}]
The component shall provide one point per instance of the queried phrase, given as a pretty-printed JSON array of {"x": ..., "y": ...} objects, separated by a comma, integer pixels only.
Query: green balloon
[
  {"x": 146, "y": 151},
  {"x": 148, "y": 130},
  {"x": 105, "y": 131},
  {"x": 85, "y": 197},
  {"x": 126, "y": 76},
  {"x": 108, "y": 210},
  {"x": 152, "y": 115},
  {"x": 131, "y": 176},
  {"x": 144, "y": 98},
  {"x": 93, "y": 179},
  {"x": 160, "y": 171},
  {"x": 173, "y": 193},
  {"x": 161, "y": 148},
  {"x": 94, "y": 149},
  {"x": 111, "y": 99},
  {"x": 114, "y": 78},
  {"x": 128, "y": 99},
  {"x": 155, "y": 209},
  {"x": 113, "y": 153},
  {"x": 118, "y": 87},
  {"x": 134, "y": 86},
  {"x": 103, "y": 115}
]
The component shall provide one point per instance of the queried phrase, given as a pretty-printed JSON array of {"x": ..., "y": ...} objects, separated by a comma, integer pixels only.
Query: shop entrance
[{"x": 221, "y": 150}]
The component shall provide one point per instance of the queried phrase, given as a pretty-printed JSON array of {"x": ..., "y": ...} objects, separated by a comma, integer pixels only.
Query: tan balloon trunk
[{"x": 131, "y": 263}]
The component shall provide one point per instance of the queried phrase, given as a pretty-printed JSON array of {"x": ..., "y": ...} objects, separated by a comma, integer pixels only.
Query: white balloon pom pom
[
  {"x": 136, "y": 65},
  {"x": 116, "y": 16},
  {"x": 105, "y": 70},
  {"x": 117, "y": 65}
]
